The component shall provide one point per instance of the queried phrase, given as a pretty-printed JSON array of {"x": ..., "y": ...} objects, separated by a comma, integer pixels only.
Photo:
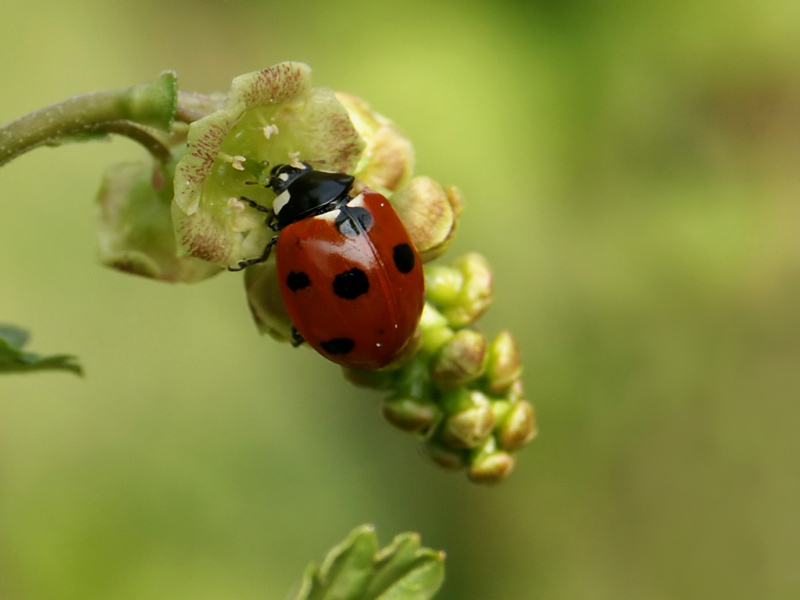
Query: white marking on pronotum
[
  {"x": 280, "y": 201},
  {"x": 283, "y": 176},
  {"x": 357, "y": 202}
]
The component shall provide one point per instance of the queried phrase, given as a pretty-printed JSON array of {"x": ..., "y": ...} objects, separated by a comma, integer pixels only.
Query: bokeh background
[{"x": 630, "y": 170}]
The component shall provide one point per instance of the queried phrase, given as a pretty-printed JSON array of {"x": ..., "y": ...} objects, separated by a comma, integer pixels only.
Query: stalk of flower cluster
[{"x": 152, "y": 104}]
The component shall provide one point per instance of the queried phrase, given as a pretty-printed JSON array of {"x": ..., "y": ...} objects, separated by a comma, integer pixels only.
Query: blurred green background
[{"x": 630, "y": 170}]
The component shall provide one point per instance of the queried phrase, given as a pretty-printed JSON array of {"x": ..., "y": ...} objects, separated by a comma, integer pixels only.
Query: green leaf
[
  {"x": 356, "y": 570},
  {"x": 14, "y": 360},
  {"x": 403, "y": 570}
]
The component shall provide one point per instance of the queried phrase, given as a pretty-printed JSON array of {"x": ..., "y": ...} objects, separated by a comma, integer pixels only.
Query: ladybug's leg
[
  {"x": 254, "y": 204},
  {"x": 297, "y": 339},
  {"x": 251, "y": 261},
  {"x": 271, "y": 223}
]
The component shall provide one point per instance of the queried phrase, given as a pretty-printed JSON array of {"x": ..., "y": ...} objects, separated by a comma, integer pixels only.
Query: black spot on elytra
[
  {"x": 338, "y": 346},
  {"x": 403, "y": 257},
  {"x": 352, "y": 221},
  {"x": 351, "y": 284},
  {"x": 297, "y": 281}
]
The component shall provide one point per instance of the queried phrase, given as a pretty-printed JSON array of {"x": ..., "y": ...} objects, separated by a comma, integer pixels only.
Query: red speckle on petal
[{"x": 200, "y": 239}]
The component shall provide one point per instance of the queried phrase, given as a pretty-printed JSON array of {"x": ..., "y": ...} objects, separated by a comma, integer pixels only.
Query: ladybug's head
[
  {"x": 302, "y": 192},
  {"x": 282, "y": 176}
]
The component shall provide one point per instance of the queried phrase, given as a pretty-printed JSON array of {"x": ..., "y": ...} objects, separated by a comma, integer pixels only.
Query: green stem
[
  {"x": 151, "y": 104},
  {"x": 151, "y": 143}
]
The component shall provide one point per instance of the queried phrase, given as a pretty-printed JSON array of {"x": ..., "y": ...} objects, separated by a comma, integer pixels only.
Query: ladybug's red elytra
[{"x": 349, "y": 275}]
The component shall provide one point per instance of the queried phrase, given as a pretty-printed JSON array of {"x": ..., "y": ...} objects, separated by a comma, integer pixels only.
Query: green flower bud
[
  {"x": 461, "y": 360},
  {"x": 462, "y": 292},
  {"x": 518, "y": 426},
  {"x": 377, "y": 380},
  {"x": 504, "y": 365},
  {"x": 135, "y": 228},
  {"x": 443, "y": 456},
  {"x": 470, "y": 427},
  {"x": 455, "y": 400},
  {"x": 491, "y": 466},
  {"x": 430, "y": 215},
  {"x": 270, "y": 117},
  {"x": 411, "y": 414},
  {"x": 434, "y": 330},
  {"x": 388, "y": 159},
  {"x": 515, "y": 393}
]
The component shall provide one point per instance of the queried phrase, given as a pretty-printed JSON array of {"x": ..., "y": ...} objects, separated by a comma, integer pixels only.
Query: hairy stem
[{"x": 152, "y": 104}]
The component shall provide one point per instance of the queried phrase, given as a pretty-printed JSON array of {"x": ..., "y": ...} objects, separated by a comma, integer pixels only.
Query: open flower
[{"x": 269, "y": 117}]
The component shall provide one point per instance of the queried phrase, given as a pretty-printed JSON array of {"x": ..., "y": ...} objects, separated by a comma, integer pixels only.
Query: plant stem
[
  {"x": 152, "y": 104},
  {"x": 130, "y": 130}
]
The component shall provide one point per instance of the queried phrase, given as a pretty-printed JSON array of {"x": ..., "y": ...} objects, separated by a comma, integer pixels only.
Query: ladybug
[{"x": 349, "y": 275}]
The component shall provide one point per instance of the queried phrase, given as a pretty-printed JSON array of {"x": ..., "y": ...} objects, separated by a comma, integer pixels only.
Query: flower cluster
[
  {"x": 183, "y": 219},
  {"x": 459, "y": 392}
]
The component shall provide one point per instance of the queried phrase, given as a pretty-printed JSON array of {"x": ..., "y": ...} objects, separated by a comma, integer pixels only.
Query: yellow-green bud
[
  {"x": 470, "y": 427},
  {"x": 377, "y": 380},
  {"x": 411, "y": 414},
  {"x": 388, "y": 158},
  {"x": 463, "y": 292},
  {"x": 515, "y": 392},
  {"x": 492, "y": 467},
  {"x": 430, "y": 214},
  {"x": 518, "y": 427},
  {"x": 504, "y": 364},
  {"x": 434, "y": 329},
  {"x": 461, "y": 360},
  {"x": 444, "y": 457}
]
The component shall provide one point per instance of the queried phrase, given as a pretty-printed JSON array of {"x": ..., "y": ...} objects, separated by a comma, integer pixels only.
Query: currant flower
[{"x": 269, "y": 117}]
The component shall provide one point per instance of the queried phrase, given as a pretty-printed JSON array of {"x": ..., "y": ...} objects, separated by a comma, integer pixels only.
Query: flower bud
[
  {"x": 434, "y": 330},
  {"x": 377, "y": 380},
  {"x": 463, "y": 292},
  {"x": 388, "y": 159},
  {"x": 518, "y": 427},
  {"x": 491, "y": 467},
  {"x": 430, "y": 215},
  {"x": 135, "y": 228},
  {"x": 443, "y": 456},
  {"x": 515, "y": 392},
  {"x": 504, "y": 365},
  {"x": 469, "y": 428},
  {"x": 411, "y": 414},
  {"x": 461, "y": 360}
]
